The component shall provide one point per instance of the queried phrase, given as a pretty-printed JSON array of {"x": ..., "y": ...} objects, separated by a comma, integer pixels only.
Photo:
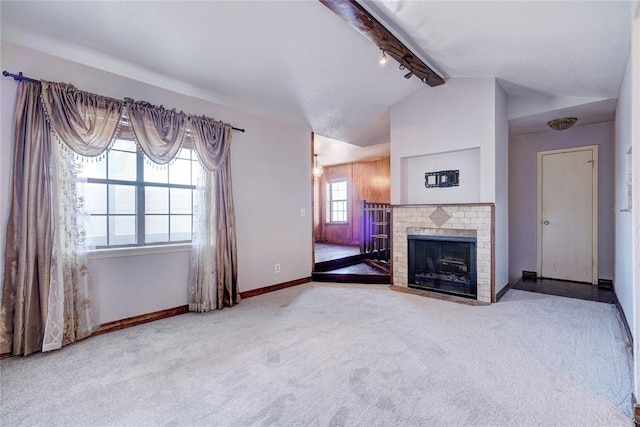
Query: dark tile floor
[{"x": 561, "y": 288}]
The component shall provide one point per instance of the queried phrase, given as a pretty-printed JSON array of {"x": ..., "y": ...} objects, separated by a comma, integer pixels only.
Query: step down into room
[{"x": 354, "y": 269}]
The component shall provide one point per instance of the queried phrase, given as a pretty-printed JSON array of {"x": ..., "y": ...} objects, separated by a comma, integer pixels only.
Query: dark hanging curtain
[{"x": 29, "y": 238}]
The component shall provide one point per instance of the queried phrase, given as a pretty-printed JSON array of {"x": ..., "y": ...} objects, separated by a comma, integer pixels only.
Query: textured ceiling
[
  {"x": 571, "y": 48},
  {"x": 587, "y": 114},
  {"x": 299, "y": 63},
  {"x": 333, "y": 152}
]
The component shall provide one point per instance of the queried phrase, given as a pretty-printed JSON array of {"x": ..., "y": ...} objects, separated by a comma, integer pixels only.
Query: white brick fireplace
[{"x": 453, "y": 220}]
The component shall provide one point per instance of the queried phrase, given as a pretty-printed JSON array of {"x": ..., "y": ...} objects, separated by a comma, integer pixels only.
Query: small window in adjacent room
[
  {"x": 629, "y": 183},
  {"x": 337, "y": 200},
  {"x": 131, "y": 202}
]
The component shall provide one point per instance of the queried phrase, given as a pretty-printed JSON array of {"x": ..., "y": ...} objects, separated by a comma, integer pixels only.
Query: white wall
[
  {"x": 413, "y": 181},
  {"x": 635, "y": 137},
  {"x": 271, "y": 168},
  {"x": 528, "y": 105},
  {"x": 132, "y": 285},
  {"x": 502, "y": 189},
  {"x": 627, "y": 232},
  {"x": 623, "y": 217},
  {"x": 463, "y": 115},
  {"x": 458, "y": 115}
]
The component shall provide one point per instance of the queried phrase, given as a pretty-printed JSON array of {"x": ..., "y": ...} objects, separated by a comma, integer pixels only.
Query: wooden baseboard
[
  {"x": 170, "y": 312},
  {"x": 266, "y": 289},
  {"x": 624, "y": 318},
  {"x": 143, "y": 318},
  {"x": 132, "y": 321},
  {"x": 636, "y": 413},
  {"x": 502, "y": 291}
]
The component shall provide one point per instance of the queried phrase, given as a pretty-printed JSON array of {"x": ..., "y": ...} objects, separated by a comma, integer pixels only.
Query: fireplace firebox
[{"x": 443, "y": 264}]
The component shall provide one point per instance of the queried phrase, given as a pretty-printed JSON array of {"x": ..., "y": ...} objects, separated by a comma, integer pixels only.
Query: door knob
[{"x": 546, "y": 223}]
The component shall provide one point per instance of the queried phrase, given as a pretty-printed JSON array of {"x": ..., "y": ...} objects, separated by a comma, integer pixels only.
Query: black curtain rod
[{"x": 19, "y": 77}]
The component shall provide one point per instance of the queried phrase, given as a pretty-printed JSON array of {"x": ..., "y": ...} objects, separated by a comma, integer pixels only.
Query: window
[
  {"x": 337, "y": 200},
  {"x": 131, "y": 202}
]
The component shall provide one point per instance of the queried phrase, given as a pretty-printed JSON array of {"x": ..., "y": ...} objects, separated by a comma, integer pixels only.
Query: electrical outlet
[
  {"x": 303, "y": 212},
  {"x": 277, "y": 268}
]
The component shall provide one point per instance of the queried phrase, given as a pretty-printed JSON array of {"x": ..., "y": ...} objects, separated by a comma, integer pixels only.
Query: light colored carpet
[{"x": 327, "y": 354}]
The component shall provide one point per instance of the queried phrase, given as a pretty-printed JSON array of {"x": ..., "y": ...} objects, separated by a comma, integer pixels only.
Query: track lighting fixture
[
  {"x": 383, "y": 58},
  {"x": 364, "y": 22}
]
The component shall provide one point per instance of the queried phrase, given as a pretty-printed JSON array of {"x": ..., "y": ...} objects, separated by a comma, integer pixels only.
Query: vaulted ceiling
[{"x": 299, "y": 63}]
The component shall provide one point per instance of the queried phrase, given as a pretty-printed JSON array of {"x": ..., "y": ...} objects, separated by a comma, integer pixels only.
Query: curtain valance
[
  {"x": 159, "y": 132},
  {"x": 87, "y": 123},
  {"x": 209, "y": 138}
]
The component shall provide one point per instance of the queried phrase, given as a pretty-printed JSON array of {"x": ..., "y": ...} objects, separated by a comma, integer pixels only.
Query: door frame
[
  {"x": 313, "y": 204},
  {"x": 594, "y": 207}
]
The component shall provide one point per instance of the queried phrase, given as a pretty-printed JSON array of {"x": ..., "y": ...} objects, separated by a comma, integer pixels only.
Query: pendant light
[{"x": 317, "y": 169}]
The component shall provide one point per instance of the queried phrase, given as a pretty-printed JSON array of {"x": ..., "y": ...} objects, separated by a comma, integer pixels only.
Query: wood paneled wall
[{"x": 366, "y": 180}]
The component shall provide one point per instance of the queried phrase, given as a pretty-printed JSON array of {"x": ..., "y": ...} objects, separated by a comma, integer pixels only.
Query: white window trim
[
  {"x": 328, "y": 220},
  {"x": 140, "y": 159},
  {"x": 139, "y": 250}
]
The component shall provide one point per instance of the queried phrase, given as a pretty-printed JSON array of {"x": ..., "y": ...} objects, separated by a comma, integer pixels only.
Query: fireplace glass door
[{"x": 443, "y": 264}]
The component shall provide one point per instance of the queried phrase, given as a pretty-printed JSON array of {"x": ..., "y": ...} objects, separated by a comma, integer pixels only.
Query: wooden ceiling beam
[{"x": 360, "y": 19}]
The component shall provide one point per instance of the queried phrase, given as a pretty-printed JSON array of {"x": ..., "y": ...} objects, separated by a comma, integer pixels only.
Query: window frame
[
  {"x": 140, "y": 204},
  {"x": 329, "y": 202}
]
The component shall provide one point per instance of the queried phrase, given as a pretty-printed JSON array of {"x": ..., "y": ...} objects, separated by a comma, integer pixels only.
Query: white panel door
[{"x": 568, "y": 214}]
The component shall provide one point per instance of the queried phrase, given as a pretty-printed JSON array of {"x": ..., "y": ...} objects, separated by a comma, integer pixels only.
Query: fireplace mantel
[{"x": 454, "y": 220}]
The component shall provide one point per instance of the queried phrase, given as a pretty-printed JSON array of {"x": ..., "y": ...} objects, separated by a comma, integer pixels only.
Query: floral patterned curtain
[
  {"x": 46, "y": 299},
  {"x": 86, "y": 123}
]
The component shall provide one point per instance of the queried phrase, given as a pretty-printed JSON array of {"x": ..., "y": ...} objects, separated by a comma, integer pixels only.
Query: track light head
[{"x": 383, "y": 58}]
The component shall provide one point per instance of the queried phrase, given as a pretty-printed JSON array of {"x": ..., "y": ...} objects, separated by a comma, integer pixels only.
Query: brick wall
[{"x": 446, "y": 220}]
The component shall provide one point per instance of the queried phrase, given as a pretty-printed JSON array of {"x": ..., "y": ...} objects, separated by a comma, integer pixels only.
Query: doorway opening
[{"x": 351, "y": 212}]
